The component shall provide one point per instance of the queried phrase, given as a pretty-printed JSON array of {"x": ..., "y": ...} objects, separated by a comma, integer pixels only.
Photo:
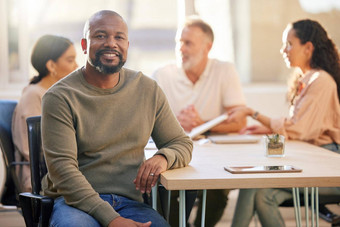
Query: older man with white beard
[{"x": 200, "y": 89}]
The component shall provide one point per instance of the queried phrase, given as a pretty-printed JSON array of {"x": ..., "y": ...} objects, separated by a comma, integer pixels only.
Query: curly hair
[{"x": 325, "y": 55}]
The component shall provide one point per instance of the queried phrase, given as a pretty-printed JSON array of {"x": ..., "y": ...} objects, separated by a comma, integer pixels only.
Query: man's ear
[
  {"x": 84, "y": 45},
  {"x": 207, "y": 47}
]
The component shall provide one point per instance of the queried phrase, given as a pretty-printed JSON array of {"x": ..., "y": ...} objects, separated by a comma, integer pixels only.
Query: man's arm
[
  {"x": 227, "y": 127},
  {"x": 120, "y": 221},
  {"x": 233, "y": 97},
  {"x": 175, "y": 147},
  {"x": 189, "y": 118},
  {"x": 169, "y": 136}
]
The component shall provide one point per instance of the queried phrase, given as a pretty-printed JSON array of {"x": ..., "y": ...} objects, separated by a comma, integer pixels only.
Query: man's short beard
[
  {"x": 100, "y": 67},
  {"x": 186, "y": 65},
  {"x": 193, "y": 62}
]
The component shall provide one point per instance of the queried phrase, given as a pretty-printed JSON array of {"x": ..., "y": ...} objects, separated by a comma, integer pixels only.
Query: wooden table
[{"x": 321, "y": 168}]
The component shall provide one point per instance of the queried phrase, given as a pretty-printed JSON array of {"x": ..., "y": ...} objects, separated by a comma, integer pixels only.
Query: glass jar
[{"x": 274, "y": 147}]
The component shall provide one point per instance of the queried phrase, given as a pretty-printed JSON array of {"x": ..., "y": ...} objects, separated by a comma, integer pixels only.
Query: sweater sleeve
[
  {"x": 169, "y": 136},
  {"x": 60, "y": 149}
]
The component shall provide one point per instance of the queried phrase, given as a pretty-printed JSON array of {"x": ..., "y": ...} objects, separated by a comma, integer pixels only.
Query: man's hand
[
  {"x": 238, "y": 113},
  {"x": 256, "y": 129},
  {"x": 149, "y": 172},
  {"x": 189, "y": 118},
  {"x": 122, "y": 222}
]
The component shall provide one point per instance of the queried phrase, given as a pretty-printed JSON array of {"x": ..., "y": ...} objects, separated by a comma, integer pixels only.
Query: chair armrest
[
  {"x": 19, "y": 163},
  {"x": 36, "y": 209}
]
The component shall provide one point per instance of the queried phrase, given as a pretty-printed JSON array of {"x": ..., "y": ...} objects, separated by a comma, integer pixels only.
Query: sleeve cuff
[{"x": 104, "y": 214}]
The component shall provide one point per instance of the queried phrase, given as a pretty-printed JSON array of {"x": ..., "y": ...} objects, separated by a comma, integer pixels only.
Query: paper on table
[{"x": 206, "y": 126}]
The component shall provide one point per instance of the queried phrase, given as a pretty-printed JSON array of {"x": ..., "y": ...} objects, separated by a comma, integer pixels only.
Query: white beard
[{"x": 193, "y": 61}]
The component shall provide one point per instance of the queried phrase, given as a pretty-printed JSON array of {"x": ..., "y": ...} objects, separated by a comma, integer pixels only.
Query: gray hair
[{"x": 195, "y": 21}]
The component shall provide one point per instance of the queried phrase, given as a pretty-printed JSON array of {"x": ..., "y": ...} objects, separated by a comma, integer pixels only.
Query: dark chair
[
  {"x": 36, "y": 208},
  {"x": 336, "y": 221},
  {"x": 12, "y": 187}
]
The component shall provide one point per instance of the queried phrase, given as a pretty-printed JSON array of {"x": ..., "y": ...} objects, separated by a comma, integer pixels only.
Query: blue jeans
[
  {"x": 266, "y": 202},
  {"x": 64, "y": 215}
]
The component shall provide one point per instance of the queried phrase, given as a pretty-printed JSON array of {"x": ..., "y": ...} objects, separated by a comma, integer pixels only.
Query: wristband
[{"x": 255, "y": 115}]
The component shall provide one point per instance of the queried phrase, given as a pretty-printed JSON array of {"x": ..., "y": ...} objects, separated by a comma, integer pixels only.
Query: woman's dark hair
[
  {"x": 48, "y": 47},
  {"x": 325, "y": 55}
]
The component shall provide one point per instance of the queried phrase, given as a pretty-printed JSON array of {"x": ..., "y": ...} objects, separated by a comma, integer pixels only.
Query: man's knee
[
  {"x": 76, "y": 219},
  {"x": 64, "y": 215},
  {"x": 272, "y": 196}
]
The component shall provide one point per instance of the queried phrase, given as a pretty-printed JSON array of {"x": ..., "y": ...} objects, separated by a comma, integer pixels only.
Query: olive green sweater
[{"x": 94, "y": 139}]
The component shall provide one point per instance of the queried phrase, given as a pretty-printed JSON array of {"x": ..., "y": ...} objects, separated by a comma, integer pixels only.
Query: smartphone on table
[{"x": 262, "y": 169}]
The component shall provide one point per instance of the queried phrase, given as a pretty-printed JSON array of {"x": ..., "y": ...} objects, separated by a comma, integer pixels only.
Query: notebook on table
[{"x": 227, "y": 139}]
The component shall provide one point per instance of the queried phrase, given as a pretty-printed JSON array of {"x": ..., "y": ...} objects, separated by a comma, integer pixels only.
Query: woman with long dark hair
[
  {"x": 53, "y": 57},
  {"x": 314, "y": 115}
]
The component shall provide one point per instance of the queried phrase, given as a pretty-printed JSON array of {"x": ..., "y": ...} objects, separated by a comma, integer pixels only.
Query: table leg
[
  {"x": 154, "y": 196},
  {"x": 204, "y": 204},
  {"x": 182, "y": 219},
  {"x": 312, "y": 203},
  {"x": 168, "y": 210},
  {"x": 314, "y": 206},
  {"x": 296, "y": 199},
  {"x": 317, "y": 205},
  {"x": 306, "y": 206}
]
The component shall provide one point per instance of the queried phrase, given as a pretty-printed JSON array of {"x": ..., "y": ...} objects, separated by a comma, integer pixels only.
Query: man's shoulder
[
  {"x": 133, "y": 76},
  {"x": 130, "y": 72},
  {"x": 71, "y": 80},
  {"x": 219, "y": 63},
  {"x": 167, "y": 66},
  {"x": 165, "y": 70},
  {"x": 223, "y": 69}
]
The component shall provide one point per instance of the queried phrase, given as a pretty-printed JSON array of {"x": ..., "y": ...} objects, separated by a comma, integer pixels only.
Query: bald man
[{"x": 95, "y": 125}]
